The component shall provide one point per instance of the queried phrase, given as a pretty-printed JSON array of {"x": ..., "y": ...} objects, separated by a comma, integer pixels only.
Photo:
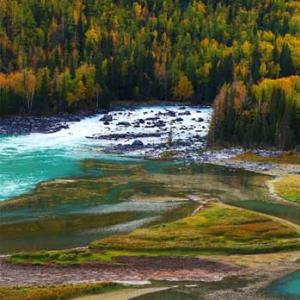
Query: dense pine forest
[{"x": 65, "y": 55}]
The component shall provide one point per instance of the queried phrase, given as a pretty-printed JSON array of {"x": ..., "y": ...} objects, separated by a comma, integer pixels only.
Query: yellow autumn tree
[
  {"x": 24, "y": 84},
  {"x": 93, "y": 36},
  {"x": 184, "y": 89},
  {"x": 3, "y": 81}
]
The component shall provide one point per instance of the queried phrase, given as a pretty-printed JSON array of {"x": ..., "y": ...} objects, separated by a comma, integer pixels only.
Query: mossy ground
[
  {"x": 61, "y": 257},
  {"x": 217, "y": 229},
  {"x": 60, "y": 192},
  {"x": 288, "y": 187},
  {"x": 284, "y": 158},
  {"x": 67, "y": 224},
  {"x": 60, "y": 292}
]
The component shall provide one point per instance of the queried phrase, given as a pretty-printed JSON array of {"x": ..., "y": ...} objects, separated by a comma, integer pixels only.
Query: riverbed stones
[
  {"x": 106, "y": 118},
  {"x": 185, "y": 113},
  {"x": 124, "y": 123},
  {"x": 179, "y": 120},
  {"x": 137, "y": 143}
]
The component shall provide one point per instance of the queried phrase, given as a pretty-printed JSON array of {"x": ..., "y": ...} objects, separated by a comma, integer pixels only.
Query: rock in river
[
  {"x": 106, "y": 118},
  {"x": 137, "y": 143},
  {"x": 127, "y": 124}
]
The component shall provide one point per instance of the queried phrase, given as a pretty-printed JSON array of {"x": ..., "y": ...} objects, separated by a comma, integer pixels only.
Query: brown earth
[{"x": 129, "y": 269}]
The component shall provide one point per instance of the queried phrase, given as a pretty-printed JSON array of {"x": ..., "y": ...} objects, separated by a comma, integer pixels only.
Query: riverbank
[
  {"x": 249, "y": 284},
  {"x": 284, "y": 167},
  {"x": 267, "y": 162},
  {"x": 127, "y": 269},
  {"x": 20, "y": 125},
  {"x": 200, "y": 271},
  {"x": 131, "y": 192},
  {"x": 152, "y": 131}
]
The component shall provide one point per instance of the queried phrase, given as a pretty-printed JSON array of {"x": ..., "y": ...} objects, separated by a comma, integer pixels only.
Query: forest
[
  {"x": 66, "y": 55},
  {"x": 266, "y": 114}
]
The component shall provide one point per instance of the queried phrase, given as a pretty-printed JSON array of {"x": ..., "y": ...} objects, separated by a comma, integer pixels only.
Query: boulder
[
  {"x": 124, "y": 123},
  {"x": 106, "y": 118},
  {"x": 137, "y": 143},
  {"x": 152, "y": 118},
  {"x": 171, "y": 113},
  {"x": 179, "y": 120},
  {"x": 185, "y": 113},
  {"x": 160, "y": 123}
]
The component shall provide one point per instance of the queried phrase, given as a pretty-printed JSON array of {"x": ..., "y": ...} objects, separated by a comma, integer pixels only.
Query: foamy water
[{"x": 29, "y": 159}]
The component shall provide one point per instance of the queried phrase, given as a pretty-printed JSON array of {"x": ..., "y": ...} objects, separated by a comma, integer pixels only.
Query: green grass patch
[
  {"x": 216, "y": 229},
  {"x": 60, "y": 292},
  {"x": 53, "y": 194},
  {"x": 61, "y": 257},
  {"x": 288, "y": 187}
]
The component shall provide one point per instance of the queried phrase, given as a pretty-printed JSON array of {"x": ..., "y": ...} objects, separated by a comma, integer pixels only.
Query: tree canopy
[{"x": 63, "y": 55}]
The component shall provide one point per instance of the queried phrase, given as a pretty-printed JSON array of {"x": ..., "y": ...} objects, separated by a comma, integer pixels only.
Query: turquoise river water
[{"x": 26, "y": 161}]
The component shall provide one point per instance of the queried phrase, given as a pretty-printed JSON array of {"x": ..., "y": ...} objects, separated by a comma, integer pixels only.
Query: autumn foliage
[
  {"x": 65, "y": 55},
  {"x": 267, "y": 114}
]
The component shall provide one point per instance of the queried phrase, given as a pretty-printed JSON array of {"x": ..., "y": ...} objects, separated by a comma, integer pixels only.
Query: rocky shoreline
[
  {"x": 20, "y": 125},
  {"x": 152, "y": 132},
  {"x": 126, "y": 269},
  {"x": 215, "y": 278},
  {"x": 226, "y": 158}
]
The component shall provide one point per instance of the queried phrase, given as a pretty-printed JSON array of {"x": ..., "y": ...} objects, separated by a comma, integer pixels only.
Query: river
[{"x": 63, "y": 190}]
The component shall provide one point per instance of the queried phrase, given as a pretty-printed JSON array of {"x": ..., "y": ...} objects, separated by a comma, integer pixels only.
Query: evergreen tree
[{"x": 286, "y": 62}]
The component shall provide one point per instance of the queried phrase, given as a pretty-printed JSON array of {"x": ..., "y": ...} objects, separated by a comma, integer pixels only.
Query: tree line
[
  {"x": 266, "y": 114},
  {"x": 65, "y": 55}
]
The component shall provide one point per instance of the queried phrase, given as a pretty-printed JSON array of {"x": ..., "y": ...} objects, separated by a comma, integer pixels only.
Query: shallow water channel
[
  {"x": 287, "y": 287},
  {"x": 61, "y": 191},
  {"x": 116, "y": 196}
]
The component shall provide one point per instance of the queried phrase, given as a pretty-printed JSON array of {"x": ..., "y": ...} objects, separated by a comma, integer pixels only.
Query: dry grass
[
  {"x": 216, "y": 229},
  {"x": 55, "y": 292},
  {"x": 288, "y": 187},
  {"x": 284, "y": 158}
]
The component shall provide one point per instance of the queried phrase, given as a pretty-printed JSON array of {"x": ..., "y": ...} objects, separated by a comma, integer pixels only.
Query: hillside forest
[{"x": 66, "y": 55}]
